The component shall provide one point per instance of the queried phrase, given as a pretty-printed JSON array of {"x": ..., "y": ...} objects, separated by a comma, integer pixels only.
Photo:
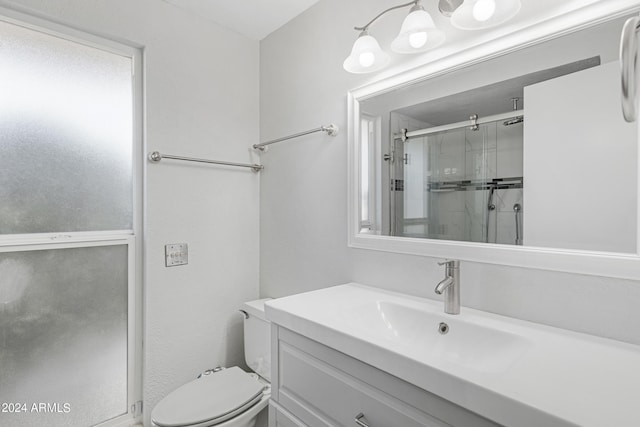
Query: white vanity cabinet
[
  {"x": 341, "y": 351},
  {"x": 316, "y": 386}
]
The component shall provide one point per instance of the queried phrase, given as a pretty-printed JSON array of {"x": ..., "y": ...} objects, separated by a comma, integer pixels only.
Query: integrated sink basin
[
  {"x": 426, "y": 334},
  {"x": 513, "y": 372}
]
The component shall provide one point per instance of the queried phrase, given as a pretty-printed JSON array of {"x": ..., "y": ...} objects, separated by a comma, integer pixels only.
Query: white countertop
[{"x": 553, "y": 377}]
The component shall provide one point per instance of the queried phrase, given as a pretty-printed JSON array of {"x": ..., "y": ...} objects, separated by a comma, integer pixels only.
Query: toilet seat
[{"x": 209, "y": 400}]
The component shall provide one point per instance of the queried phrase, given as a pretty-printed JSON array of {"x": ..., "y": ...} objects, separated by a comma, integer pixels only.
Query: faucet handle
[{"x": 451, "y": 263}]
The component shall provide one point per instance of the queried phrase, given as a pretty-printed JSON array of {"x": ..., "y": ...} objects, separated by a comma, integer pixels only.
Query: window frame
[
  {"x": 132, "y": 238},
  {"x": 371, "y": 225}
]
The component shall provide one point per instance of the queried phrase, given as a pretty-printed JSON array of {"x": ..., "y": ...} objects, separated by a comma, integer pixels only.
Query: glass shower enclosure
[{"x": 462, "y": 184}]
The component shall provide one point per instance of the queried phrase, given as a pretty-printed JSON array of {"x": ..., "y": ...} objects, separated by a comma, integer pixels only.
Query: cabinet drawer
[
  {"x": 279, "y": 417},
  {"x": 322, "y": 395}
]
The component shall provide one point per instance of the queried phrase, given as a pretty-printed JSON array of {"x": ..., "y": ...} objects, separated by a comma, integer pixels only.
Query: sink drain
[{"x": 443, "y": 328}]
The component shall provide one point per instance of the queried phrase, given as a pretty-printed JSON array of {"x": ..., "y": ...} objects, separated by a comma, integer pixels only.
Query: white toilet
[{"x": 228, "y": 397}]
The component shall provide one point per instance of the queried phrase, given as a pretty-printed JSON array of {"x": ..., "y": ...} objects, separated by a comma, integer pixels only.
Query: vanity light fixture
[
  {"x": 419, "y": 33},
  {"x": 366, "y": 55},
  {"x": 481, "y": 14}
]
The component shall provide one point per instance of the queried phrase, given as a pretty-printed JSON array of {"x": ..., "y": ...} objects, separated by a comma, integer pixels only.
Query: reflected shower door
[
  {"x": 446, "y": 201},
  {"x": 443, "y": 185},
  {"x": 481, "y": 170}
]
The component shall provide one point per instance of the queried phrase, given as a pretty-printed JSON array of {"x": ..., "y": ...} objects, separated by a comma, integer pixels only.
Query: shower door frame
[{"x": 132, "y": 238}]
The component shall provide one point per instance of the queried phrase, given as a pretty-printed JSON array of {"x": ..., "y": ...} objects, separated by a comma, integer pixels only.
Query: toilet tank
[{"x": 257, "y": 338}]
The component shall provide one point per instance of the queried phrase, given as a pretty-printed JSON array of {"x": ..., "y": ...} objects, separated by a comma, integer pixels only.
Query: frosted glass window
[
  {"x": 63, "y": 335},
  {"x": 66, "y": 135}
]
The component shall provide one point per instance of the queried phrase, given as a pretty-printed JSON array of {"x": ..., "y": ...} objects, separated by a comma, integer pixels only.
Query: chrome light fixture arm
[{"x": 366, "y": 27}]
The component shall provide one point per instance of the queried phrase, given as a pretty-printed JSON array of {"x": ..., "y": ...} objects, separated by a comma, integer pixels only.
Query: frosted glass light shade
[
  {"x": 417, "y": 34},
  {"x": 366, "y": 56},
  {"x": 481, "y": 14}
]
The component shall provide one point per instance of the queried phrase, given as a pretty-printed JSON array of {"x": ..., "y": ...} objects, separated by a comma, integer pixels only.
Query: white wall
[
  {"x": 303, "y": 221},
  {"x": 201, "y": 84}
]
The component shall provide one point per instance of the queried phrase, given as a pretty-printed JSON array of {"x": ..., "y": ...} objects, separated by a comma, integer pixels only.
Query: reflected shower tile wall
[
  {"x": 510, "y": 151},
  {"x": 450, "y": 227},
  {"x": 506, "y": 231},
  {"x": 455, "y": 226},
  {"x": 448, "y": 202},
  {"x": 506, "y": 221},
  {"x": 481, "y": 165},
  {"x": 505, "y": 199},
  {"x": 481, "y": 139},
  {"x": 476, "y": 214},
  {"x": 492, "y": 227},
  {"x": 446, "y": 217},
  {"x": 481, "y": 147},
  {"x": 447, "y": 156}
]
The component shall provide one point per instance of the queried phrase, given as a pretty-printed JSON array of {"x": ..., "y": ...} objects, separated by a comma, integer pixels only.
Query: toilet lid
[{"x": 212, "y": 398}]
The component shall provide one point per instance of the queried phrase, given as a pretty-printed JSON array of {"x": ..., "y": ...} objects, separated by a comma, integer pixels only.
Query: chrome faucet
[{"x": 450, "y": 286}]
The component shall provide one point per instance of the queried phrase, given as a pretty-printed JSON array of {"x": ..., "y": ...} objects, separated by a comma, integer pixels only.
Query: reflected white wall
[{"x": 589, "y": 184}]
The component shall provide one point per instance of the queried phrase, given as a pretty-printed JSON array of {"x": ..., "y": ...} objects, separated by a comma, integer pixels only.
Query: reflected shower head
[{"x": 513, "y": 121}]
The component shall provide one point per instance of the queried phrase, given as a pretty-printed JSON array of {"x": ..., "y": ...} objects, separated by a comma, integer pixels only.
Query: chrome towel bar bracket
[{"x": 629, "y": 66}]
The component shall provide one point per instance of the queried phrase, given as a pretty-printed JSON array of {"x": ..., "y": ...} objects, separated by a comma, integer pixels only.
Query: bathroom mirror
[{"x": 519, "y": 157}]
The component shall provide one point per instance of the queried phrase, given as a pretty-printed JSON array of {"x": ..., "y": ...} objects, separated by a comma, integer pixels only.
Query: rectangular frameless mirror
[{"x": 526, "y": 149}]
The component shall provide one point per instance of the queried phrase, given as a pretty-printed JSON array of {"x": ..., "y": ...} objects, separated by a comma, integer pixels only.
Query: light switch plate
[{"x": 176, "y": 254}]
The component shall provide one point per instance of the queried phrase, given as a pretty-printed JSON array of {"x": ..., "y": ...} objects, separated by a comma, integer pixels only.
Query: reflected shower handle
[
  {"x": 628, "y": 68},
  {"x": 490, "y": 205}
]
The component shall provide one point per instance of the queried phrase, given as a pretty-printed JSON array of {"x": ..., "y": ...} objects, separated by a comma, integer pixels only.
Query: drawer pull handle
[{"x": 359, "y": 421}]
